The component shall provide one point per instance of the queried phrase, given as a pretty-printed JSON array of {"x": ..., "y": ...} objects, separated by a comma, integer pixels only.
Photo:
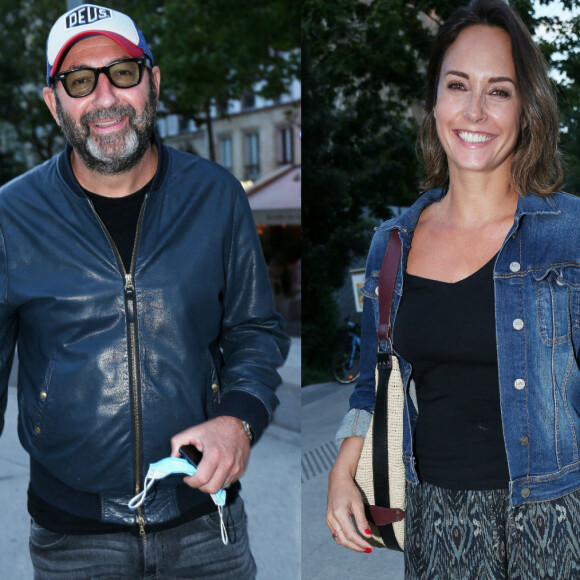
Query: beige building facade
[{"x": 253, "y": 139}]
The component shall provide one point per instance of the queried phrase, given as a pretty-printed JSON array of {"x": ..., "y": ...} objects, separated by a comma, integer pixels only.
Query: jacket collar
[{"x": 530, "y": 204}]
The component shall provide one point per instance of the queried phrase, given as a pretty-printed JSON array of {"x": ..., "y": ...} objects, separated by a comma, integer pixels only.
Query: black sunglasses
[{"x": 123, "y": 74}]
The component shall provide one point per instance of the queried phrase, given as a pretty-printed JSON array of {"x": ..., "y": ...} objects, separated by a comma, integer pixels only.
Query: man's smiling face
[{"x": 110, "y": 129}]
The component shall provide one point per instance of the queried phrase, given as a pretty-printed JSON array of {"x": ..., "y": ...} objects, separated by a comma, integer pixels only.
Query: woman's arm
[{"x": 345, "y": 500}]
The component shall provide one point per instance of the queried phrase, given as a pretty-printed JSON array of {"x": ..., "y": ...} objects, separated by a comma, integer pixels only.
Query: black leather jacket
[{"x": 114, "y": 363}]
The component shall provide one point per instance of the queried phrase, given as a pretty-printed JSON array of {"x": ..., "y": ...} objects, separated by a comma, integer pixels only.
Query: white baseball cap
[{"x": 88, "y": 20}]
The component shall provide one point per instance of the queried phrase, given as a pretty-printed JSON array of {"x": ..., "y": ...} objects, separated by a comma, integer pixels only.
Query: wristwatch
[{"x": 248, "y": 430}]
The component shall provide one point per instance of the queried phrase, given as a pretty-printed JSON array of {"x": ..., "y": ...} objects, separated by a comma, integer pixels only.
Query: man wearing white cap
[{"x": 132, "y": 279}]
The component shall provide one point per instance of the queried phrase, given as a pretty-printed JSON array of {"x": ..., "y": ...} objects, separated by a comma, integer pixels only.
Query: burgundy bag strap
[
  {"x": 382, "y": 514},
  {"x": 387, "y": 279}
]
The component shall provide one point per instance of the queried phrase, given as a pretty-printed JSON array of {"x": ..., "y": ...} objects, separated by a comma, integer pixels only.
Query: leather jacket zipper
[{"x": 133, "y": 353}]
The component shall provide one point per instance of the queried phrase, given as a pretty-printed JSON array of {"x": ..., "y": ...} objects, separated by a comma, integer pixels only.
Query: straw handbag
[{"x": 380, "y": 472}]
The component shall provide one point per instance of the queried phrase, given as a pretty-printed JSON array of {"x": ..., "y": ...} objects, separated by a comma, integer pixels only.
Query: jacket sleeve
[
  {"x": 362, "y": 401},
  {"x": 253, "y": 340},
  {"x": 8, "y": 331}
]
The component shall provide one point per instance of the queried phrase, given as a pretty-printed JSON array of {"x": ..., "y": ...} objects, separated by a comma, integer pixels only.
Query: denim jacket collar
[{"x": 530, "y": 204}]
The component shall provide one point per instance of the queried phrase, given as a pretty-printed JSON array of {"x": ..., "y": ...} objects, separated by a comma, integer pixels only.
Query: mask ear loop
[
  {"x": 223, "y": 529},
  {"x": 139, "y": 499}
]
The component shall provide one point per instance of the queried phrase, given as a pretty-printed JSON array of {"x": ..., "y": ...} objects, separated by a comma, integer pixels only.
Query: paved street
[
  {"x": 271, "y": 489},
  {"x": 323, "y": 407}
]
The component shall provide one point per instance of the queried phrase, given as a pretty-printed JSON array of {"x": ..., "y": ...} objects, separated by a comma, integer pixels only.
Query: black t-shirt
[
  {"x": 120, "y": 216},
  {"x": 446, "y": 331}
]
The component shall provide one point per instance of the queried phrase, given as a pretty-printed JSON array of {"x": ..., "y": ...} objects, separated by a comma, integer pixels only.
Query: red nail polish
[
  {"x": 368, "y": 550},
  {"x": 368, "y": 532}
]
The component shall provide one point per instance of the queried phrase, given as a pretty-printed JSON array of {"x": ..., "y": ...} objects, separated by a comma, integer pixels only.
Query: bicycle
[{"x": 346, "y": 365}]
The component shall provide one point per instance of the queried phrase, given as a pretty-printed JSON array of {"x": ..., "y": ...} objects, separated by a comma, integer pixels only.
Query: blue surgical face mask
[{"x": 171, "y": 466}]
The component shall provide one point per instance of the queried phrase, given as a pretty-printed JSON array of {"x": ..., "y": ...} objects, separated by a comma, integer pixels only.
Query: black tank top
[{"x": 446, "y": 331}]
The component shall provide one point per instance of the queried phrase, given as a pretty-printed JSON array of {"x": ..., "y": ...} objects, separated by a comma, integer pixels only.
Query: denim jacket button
[
  {"x": 519, "y": 384},
  {"x": 377, "y": 290},
  {"x": 526, "y": 492},
  {"x": 515, "y": 267},
  {"x": 518, "y": 323},
  {"x": 524, "y": 440}
]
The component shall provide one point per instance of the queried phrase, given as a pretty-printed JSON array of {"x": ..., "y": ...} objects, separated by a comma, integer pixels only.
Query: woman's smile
[{"x": 470, "y": 137}]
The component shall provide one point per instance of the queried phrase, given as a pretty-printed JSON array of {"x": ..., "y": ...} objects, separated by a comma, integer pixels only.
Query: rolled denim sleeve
[
  {"x": 363, "y": 396},
  {"x": 355, "y": 424}
]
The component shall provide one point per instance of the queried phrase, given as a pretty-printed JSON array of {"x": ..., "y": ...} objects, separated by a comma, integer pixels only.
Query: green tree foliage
[
  {"x": 212, "y": 51},
  {"x": 561, "y": 44},
  {"x": 24, "y": 27},
  {"x": 362, "y": 81}
]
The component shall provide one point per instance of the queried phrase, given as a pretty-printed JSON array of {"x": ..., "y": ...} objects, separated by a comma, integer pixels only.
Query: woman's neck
[{"x": 474, "y": 200}]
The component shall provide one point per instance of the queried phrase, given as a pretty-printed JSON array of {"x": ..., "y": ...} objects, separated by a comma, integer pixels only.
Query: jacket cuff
[
  {"x": 245, "y": 407},
  {"x": 355, "y": 424}
]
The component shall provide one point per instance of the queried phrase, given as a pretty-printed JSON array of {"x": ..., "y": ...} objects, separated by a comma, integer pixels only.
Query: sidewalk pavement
[
  {"x": 271, "y": 488},
  {"x": 323, "y": 407}
]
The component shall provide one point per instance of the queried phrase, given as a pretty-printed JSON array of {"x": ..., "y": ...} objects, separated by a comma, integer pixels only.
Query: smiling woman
[
  {"x": 478, "y": 106},
  {"x": 536, "y": 164},
  {"x": 484, "y": 318}
]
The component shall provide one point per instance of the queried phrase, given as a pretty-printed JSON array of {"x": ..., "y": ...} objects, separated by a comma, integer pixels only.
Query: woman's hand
[{"x": 345, "y": 500}]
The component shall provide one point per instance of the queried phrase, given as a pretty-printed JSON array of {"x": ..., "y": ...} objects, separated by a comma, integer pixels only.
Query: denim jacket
[{"x": 537, "y": 317}]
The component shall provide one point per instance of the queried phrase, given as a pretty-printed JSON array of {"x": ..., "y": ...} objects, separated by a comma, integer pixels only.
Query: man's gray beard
[{"x": 115, "y": 153}]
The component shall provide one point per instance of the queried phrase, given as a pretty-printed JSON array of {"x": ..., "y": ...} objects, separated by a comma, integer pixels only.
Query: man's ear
[
  {"x": 156, "y": 76},
  {"x": 50, "y": 100}
]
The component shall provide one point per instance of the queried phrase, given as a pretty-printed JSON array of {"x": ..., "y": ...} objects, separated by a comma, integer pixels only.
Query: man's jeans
[{"x": 191, "y": 550}]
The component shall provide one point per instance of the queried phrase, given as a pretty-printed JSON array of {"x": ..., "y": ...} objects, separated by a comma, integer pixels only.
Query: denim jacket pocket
[{"x": 558, "y": 302}]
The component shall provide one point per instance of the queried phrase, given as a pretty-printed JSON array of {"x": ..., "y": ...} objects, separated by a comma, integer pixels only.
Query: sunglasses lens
[
  {"x": 80, "y": 82},
  {"x": 125, "y": 74}
]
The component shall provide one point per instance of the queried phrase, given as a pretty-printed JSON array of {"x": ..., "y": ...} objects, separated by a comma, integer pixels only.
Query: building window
[
  {"x": 285, "y": 146},
  {"x": 248, "y": 100},
  {"x": 252, "y": 156},
  {"x": 225, "y": 152}
]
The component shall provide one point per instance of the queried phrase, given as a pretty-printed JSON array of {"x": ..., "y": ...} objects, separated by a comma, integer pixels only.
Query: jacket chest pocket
[{"x": 558, "y": 302}]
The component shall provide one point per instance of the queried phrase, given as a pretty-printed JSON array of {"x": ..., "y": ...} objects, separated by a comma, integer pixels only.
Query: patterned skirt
[{"x": 464, "y": 535}]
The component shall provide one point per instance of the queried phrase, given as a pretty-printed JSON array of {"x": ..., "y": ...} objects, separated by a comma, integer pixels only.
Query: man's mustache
[{"x": 110, "y": 113}]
